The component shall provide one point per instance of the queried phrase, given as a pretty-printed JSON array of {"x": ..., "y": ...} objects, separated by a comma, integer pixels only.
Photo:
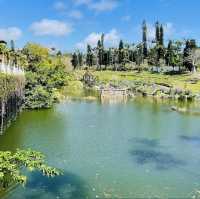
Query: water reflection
[
  {"x": 161, "y": 160},
  {"x": 67, "y": 186},
  {"x": 152, "y": 143},
  {"x": 190, "y": 139}
]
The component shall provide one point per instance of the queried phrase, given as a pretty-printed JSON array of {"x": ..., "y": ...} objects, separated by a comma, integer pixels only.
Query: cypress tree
[
  {"x": 99, "y": 53},
  {"x": 74, "y": 61},
  {"x": 121, "y": 52},
  {"x": 80, "y": 59},
  {"x": 144, "y": 38},
  {"x": 161, "y": 39},
  {"x": 102, "y": 41},
  {"x": 12, "y": 45},
  {"x": 157, "y": 33},
  {"x": 89, "y": 56},
  {"x": 169, "y": 54}
]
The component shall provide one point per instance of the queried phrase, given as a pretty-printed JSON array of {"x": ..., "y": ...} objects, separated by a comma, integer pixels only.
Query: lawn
[{"x": 182, "y": 81}]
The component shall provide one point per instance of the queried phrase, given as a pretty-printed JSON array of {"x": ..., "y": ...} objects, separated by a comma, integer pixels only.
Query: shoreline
[{"x": 178, "y": 87}]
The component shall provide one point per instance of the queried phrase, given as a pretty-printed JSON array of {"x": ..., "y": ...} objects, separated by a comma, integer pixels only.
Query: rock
[
  {"x": 181, "y": 110},
  {"x": 164, "y": 84},
  {"x": 174, "y": 108}
]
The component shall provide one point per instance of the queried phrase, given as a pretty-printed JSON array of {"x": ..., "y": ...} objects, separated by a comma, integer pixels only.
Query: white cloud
[
  {"x": 104, "y": 5},
  {"x": 111, "y": 38},
  {"x": 10, "y": 33},
  {"x": 76, "y": 14},
  {"x": 126, "y": 18},
  {"x": 98, "y": 5},
  {"x": 60, "y": 6},
  {"x": 47, "y": 27}
]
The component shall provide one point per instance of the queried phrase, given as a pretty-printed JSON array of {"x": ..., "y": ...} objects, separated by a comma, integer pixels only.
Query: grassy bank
[{"x": 187, "y": 81}]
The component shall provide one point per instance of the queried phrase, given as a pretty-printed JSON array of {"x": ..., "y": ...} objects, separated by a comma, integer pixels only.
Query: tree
[
  {"x": 12, "y": 45},
  {"x": 59, "y": 53},
  {"x": 11, "y": 164},
  {"x": 161, "y": 35},
  {"x": 121, "y": 52},
  {"x": 89, "y": 56},
  {"x": 173, "y": 55},
  {"x": 189, "y": 55},
  {"x": 44, "y": 75},
  {"x": 169, "y": 54},
  {"x": 157, "y": 33},
  {"x": 74, "y": 60},
  {"x": 80, "y": 59},
  {"x": 195, "y": 55},
  {"x": 99, "y": 54},
  {"x": 35, "y": 53},
  {"x": 144, "y": 39},
  {"x": 139, "y": 55}
]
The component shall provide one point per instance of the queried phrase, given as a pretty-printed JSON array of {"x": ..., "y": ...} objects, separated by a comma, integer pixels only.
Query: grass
[{"x": 176, "y": 81}]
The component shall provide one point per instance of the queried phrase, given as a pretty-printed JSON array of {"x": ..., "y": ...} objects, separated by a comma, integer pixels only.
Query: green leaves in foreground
[{"x": 12, "y": 163}]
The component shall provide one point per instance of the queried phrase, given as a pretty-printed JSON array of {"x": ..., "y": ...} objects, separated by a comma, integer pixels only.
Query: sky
[{"x": 72, "y": 24}]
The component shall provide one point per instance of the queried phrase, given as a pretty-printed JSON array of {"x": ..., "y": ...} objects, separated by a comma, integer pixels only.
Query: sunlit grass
[{"x": 176, "y": 81}]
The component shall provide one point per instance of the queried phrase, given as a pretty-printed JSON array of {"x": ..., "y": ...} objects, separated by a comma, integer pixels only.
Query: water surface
[{"x": 138, "y": 149}]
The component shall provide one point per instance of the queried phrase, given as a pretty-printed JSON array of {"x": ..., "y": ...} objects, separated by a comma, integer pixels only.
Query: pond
[{"x": 138, "y": 149}]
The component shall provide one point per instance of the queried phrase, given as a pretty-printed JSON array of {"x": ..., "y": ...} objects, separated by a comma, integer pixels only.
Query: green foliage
[
  {"x": 74, "y": 60},
  {"x": 89, "y": 56},
  {"x": 35, "y": 53},
  {"x": 38, "y": 98},
  {"x": 147, "y": 52},
  {"x": 12, "y": 163},
  {"x": 144, "y": 39},
  {"x": 45, "y": 73},
  {"x": 9, "y": 84}
]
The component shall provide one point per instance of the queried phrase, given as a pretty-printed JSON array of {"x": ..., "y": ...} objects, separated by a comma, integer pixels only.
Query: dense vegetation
[
  {"x": 183, "y": 54},
  {"x": 45, "y": 74}
]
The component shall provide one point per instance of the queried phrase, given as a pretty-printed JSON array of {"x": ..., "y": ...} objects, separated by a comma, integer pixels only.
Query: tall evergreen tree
[
  {"x": 188, "y": 54},
  {"x": 144, "y": 39},
  {"x": 102, "y": 41},
  {"x": 157, "y": 33},
  {"x": 89, "y": 56},
  {"x": 121, "y": 52},
  {"x": 74, "y": 61},
  {"x": 169, "y": 54},
  {"x": 12, "y": 45},
  {"x": 161, "y": 39},
  {"x": 99, "y": 54},
  {"x": 80, "y": 59}
]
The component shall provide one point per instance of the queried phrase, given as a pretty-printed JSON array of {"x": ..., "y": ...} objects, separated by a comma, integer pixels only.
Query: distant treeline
[{"x": 184, "y": 54}]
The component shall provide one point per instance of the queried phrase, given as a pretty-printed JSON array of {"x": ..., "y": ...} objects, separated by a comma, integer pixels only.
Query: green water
[{"x": 139, "y": 149}]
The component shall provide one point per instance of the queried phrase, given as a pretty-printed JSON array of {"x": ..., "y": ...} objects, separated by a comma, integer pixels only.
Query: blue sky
[{"x": 71, "y": 24}]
